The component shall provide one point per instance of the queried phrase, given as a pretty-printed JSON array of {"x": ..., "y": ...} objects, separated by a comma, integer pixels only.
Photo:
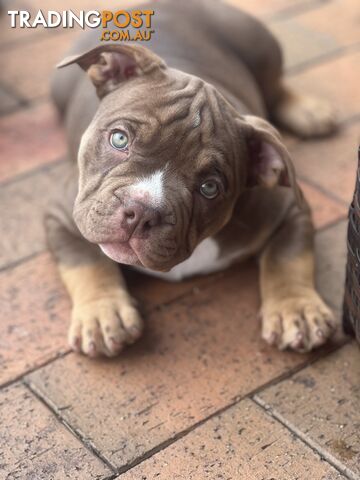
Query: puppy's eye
[
  {"x": 119, "y": 140},
  {"x": 209, "y": 189}
]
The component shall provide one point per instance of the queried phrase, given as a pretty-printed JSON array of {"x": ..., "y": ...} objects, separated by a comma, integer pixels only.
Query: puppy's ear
[
  {"x": 109, "y": 65},
  {"x": 269, "y": 161}
]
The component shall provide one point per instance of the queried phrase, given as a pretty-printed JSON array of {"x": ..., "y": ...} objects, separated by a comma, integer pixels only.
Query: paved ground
[{"x": 201, "y": 396}]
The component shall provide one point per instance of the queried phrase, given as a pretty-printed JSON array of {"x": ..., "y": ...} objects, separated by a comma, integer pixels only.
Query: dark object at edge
[{"x": 351, "y": 314}]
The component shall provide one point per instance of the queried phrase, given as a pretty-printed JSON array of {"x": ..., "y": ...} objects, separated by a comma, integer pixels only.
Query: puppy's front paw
[
  {"x": 306, "y": 116},
  {"x": 297, "y": 323},
  {"x": 104, "y": 326}
]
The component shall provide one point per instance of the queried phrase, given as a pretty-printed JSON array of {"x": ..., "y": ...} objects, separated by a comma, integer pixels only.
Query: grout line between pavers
[
  {"x": 324, "y": 190},
  {"x": 34, "y": 171},
  {"x": 312, "y": 444},
  {"x": 327, "y": 351},
  {"x": 20, "y": 261},
  {"x": 333, "y": 223},
  {"x": 20, "y": 378},
  {"x": 294, "y": 10},
  {"x": 76, "y": 432},
  {"x": 321, "y": 59}
]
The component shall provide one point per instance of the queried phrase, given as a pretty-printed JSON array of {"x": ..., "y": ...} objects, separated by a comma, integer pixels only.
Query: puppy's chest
[{"x": 207, "y": 258}]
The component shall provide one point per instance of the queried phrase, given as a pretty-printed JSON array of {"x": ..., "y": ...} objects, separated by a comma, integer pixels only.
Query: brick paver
[
  {"x": 336, "y": 19},
  {"x": 335, "y": 80},
  {"x": 35, "y": 314},
  {"x": 324, "y": 210},
  {"x": 331, "y": 255},
  {"x": 37, "y": 64},
  {"x": 270, "y": 8},
  {"x": 30, "y": 138},
  {"x": 330, "y": 163},
  {"x": 23, "y": 205},
  {"x": 322, "y": 404},
  {"x": 243, "y": 444},
  {"x": 202, "y": 351},
  {"x": 34, "y": 445},
  {"x": 314, "y": 33}
]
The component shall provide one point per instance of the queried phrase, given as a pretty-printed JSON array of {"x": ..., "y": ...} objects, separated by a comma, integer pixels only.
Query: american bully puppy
[{"x": 179, "y": 173}]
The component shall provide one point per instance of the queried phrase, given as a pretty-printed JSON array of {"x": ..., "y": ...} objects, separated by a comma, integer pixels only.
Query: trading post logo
[{"x": 116, "y": 26}]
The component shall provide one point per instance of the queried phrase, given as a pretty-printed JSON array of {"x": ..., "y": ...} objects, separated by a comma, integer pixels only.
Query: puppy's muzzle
[{"x": 137, "y": 220}]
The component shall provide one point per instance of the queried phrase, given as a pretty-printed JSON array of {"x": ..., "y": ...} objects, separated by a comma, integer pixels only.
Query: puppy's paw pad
[
  {"x": 300, "y": 323},
  {"x": 104, "y": 327},
  {"x": 306, "y": 116}
]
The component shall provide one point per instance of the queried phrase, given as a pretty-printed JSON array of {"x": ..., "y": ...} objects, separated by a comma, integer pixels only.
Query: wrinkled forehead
[{"x": 178, "y": 109}]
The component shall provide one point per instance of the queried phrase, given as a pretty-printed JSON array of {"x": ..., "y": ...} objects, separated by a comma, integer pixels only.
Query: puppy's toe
[
  {"x": 132, "y": 322},
  {"x": 91, "y": 340},
  {"x": 104, "y": 327},
  {"x": 304, "y": 323},
  {"x": 306, "y": 116},
  {"x": 121, "y": 326},
  {"x": 295, "y": 334},
  {"x": 272, "y": 329},
  {"x": 321, "y": 324}
]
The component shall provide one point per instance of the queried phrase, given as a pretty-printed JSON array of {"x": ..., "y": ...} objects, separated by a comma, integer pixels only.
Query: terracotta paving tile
[
  {"x": 331, "y": 255},
  {"x": 324, "y": 209},
  {"x": 34, "y": 445},
  {"x": 35, "y": 313},
  {"x": 37, "y": 57},
  {"x": 346, "y": 27},
  {"x": 322, "y": 404},
  {"x": 29, "y": 138},
  {"x": 23, "y": 205},
  {"x": 300, "y": 43},
  {"x": 198, "y": 355},
  {"x": 343, "y": 93},
  {"x": 313, "y": 33},
  {"x": 243, "y": 443},
  {"x": 268, "y": 8},
  {"x": 330, "y": 163}
]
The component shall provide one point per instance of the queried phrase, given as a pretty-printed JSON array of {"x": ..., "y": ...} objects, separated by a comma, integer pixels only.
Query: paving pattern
[{"x": 200, "y": 397}]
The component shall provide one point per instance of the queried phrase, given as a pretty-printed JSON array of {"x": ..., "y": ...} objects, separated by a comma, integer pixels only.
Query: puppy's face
[{"x": 162, "y": 164}]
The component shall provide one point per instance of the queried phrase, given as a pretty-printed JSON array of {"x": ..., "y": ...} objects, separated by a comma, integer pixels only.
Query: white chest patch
[
  {"x": 206, "y": 258},
  {"x": 149, "y": 188}
]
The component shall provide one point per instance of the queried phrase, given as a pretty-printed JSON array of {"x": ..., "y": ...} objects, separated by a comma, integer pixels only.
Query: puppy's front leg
[
  {"x": 293, "y": 314},
  {"x": 104, "y": 317}
]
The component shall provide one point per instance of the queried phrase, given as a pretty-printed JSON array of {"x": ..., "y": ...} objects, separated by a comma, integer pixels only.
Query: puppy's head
[{"x": 165, "y": 159}]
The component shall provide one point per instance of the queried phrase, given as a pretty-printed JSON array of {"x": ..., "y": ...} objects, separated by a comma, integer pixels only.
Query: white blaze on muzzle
[{"x": 149, "y": 190}]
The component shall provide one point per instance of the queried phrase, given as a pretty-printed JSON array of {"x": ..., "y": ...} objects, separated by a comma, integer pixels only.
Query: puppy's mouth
[
  {"x": 120, "y": 252},
  {"x": 134, "y": 253}
]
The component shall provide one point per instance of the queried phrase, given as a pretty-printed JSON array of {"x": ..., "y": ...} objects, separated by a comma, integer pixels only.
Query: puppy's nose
[{"x": 137, "y": 220}]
